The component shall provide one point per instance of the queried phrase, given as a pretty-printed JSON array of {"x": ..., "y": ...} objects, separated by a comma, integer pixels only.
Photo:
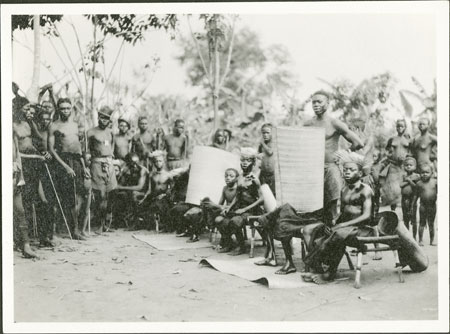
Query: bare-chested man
[
  {"x": 157, "y": 198},
  {"x": 33, "y": 169},
  {"x": 21, "y": 237},
  {"x": 70, "y": 170},
  {"x": 356, "y": 215},
  {"x": 101, "y": 148},
  {"x": 333, "y": 130},
  {"x": 422, "y": 145},
  {"x": 122, "y": 141},
  {"x": 176, "y": 146},
  {"x": 141, "y": 142},
  {"x": 131, "y": 188}
]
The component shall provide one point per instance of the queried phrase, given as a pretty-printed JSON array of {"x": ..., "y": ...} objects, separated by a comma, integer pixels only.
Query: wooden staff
[{"x": 57, "y": 198}]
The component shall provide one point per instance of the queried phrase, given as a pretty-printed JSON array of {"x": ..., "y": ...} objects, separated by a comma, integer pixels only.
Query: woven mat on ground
[
  {"x": 167, "y": 241},
  {"x": 244, "y": 267}
]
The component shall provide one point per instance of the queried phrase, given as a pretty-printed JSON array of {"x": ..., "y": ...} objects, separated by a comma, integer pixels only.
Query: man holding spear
[{"x": 64, "y": 144}]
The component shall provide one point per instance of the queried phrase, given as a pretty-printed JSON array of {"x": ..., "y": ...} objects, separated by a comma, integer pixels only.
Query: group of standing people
[{"x": 62, "y": 170}]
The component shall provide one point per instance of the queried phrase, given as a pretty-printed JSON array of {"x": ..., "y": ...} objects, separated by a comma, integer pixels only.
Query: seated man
[
  {"x": 156, "y": 200},
  {"x": 356, "y": 214},
  {"x": 131, "y": 187},
  {"x": 198, "y": 217},
  {"x": 283, "y": 224}
]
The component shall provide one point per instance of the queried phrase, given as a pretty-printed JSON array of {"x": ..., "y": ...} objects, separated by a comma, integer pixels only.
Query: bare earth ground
[{"x": 115, "y": 277}]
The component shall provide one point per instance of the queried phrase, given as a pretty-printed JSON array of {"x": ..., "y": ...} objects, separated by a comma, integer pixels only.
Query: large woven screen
[
  {"x": 206, "y": 177},
  {"x": 299, "y": 167}
]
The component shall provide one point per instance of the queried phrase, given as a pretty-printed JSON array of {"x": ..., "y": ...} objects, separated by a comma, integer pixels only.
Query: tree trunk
[
  {"x": 33, "y": 91},
  {"x": 216, "y": 84},
  {"x": 93, "y": 111}
]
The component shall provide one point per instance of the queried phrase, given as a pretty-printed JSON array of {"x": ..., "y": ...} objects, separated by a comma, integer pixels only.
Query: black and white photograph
[{"x": 225, "y": 167}]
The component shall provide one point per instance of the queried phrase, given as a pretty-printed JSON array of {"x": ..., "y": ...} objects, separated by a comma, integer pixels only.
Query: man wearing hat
[{"x": 101, "y": 148}]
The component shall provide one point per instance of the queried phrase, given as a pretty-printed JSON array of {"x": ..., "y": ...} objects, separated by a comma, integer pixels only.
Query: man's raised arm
[{"x": 349, "y": 135}]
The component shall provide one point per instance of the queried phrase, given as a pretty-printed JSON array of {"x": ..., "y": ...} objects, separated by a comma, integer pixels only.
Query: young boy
[
  {"x": 141, "y": 142},
  {"x": 122, "y": 141},
  {"x": 426, "y": 190},
  {"x": 228, "y": 195},
  {"x": 408, "y": 184},
  {"x": 267, "y": 161},
  {"x": 219, "y": 140},
  {"x": 246, "y": 202},
  {"x": 177, "y": 146}
]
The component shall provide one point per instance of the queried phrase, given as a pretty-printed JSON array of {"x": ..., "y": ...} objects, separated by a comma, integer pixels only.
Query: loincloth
[
  {"x": 333, "y": 183},
  {"x": 175, "y": 163},
  {"x": 103, "y": 175},
  {"x": 269, "y": 179},
  {"x": 66, "y": 185}
]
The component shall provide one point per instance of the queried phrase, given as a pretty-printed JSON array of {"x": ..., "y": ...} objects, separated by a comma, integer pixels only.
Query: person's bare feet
[
  {"x": 237, "y": 251},
  {"x": 193, "y": 239},
  {"x": 28, "y": 252},
  {"x": 78, "y": 236},
  {"x": 286, "y": 269},
  {"x": 224, "y": 250},
  {"x": 377, "y": 256},
  {"x": 46, "y": 243},
  {"x": 267, "y": 262}
]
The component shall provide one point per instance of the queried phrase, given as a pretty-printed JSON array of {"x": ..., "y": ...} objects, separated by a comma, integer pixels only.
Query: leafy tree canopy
[
  {"x": 130, "y": 27},
  {"x": 26, "y": 21}
]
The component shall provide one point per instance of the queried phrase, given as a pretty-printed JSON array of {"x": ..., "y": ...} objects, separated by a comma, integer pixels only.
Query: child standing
[
  {"x": 409, "y": 208},
  {"x": 267, "y": 161},
  {"x": 426, "y": 190}
]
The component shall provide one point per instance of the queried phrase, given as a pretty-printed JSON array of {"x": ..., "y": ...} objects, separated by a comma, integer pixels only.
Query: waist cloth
[
  {"x": 64, "y": 183},
  {"x": 333, "y": 183},
  {"x": 173, "y": 163},
  {"x": 103, "y": 175}
]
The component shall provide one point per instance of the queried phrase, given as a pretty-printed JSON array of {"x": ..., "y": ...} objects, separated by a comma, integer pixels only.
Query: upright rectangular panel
[
  {"x": 206, "y": 177},
  {"x": 299, "y": 167}
]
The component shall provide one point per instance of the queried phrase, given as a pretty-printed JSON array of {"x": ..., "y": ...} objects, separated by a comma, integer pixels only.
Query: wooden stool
[
  {"x": 250, "y": 221},
  {"x": 392, "y": 243}
]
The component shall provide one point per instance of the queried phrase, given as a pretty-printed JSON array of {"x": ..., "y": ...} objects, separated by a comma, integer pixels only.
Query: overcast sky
[{"x": 328, "y": 46}]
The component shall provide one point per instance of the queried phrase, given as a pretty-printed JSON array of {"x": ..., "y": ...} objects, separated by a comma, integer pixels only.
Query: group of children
[{"x": 415, "y": 163}]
